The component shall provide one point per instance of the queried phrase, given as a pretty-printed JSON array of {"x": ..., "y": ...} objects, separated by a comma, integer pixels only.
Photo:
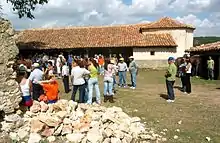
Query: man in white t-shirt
[
  {"x": 59, "y": 61},
  {"x": 122, "y": 69},
  {"x": 35, "y": 76}
]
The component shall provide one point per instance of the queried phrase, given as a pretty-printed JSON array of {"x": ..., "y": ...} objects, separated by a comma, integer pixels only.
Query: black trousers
[
  {"x": 183, "y": 80},
  {"x": 37, "y": 91},
  {"x": 81, "y": 93},
  {"x": 66, "y": 84},
  {"x": 188, "y": 83},
  {"x": 170, "y": 91},
  {"x": 70, "y": 68}
]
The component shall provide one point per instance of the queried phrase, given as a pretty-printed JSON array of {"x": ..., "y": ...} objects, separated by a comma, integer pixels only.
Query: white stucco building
[
  {"x": 182, "y": 36},
  {"x": 150, "y": 43}
]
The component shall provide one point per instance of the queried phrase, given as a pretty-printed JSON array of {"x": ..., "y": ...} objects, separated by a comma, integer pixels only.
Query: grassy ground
[{"x": 199, "y": 112}]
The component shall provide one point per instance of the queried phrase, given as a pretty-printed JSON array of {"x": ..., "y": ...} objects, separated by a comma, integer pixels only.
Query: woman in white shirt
[
  {"x": 77, "y": 77},
  {"x": 25, "y": 87},
  {"x": 188, "y": 75}
]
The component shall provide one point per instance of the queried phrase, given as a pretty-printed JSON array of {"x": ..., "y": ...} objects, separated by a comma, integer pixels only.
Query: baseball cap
[
  {"x": 171, "y": 59},
  {"x": 121, "y": 59}
]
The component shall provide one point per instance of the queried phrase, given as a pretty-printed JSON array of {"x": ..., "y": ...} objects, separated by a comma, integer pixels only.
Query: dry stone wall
[{"x": 10, "y": 96}]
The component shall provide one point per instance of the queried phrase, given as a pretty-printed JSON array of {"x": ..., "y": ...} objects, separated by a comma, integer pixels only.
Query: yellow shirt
[{"x": 93, "y": 71}]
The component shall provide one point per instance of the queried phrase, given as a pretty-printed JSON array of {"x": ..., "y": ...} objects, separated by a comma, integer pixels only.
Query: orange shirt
[
  {"x": 51, "y": 90},
  {"x": 101, "y": 61}
]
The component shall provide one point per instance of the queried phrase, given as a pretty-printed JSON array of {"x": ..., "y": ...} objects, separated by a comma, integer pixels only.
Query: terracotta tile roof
[
  {"x": 91, "y": 37},
  {"x": 205, "y": 47},
  {"x": 167, "y": 23},
  {"x": 164, "y": 39}
]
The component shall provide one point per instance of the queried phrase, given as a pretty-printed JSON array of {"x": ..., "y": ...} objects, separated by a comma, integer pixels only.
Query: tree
[
  {"x": 24, "y": 8},
  {"x": 205, "y": 40}
]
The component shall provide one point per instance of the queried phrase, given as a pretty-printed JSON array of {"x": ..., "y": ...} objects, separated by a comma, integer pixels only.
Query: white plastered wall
[{"x": 182, "y": 37}]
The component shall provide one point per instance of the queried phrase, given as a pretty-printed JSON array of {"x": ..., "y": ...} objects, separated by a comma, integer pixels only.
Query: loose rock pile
[{"x": 71, "y": 122}]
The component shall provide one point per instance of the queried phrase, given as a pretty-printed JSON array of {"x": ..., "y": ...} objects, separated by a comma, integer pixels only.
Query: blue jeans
[
  {"x": 108, "y": 86},
  {"x": 81, "y": 92},
  {"x": 101, "y": 69},
  {"x": 122, "y": 78},
  {"x": 133, "y": 78},
  {"x": 114, "y": 81},
  {"x": 93, "y": 82},
  {"x": 210, "y": 74},
  {"x": 86, "y": 90},
  {"x": 170, "y": 91}
]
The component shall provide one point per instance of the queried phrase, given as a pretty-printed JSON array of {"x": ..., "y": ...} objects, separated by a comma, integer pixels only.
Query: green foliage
[
  {"x": 205, "y": 40},
  {"x": 24, "y": 8}
]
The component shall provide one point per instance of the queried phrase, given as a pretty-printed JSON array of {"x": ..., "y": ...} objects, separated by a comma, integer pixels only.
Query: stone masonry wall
[{"x": 10, "y": 96}]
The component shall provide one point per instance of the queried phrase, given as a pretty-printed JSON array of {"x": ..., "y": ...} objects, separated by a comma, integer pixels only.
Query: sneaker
[
  {"x": 184, "y": 92},
  {"x": 98, "y": 102},
  {"x": 132, "y": 87},
  {"x": 168, "y": 100}
]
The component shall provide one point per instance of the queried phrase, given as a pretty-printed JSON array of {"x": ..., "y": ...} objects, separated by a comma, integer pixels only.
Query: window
[{"x": 152, "y": 53}]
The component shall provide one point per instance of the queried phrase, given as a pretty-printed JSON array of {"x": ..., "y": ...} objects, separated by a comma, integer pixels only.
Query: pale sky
[{"x": 203, "y": 14}]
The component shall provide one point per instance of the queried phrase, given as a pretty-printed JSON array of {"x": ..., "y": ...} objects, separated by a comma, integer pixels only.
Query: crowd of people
[{"x": 40, "y": 81}]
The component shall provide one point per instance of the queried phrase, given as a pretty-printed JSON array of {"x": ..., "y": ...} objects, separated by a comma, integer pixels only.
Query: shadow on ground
[{"x": 164, "y": 96}]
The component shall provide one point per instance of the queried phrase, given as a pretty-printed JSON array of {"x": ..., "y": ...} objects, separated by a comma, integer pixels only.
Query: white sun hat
[{"x": 36, "y": 65}]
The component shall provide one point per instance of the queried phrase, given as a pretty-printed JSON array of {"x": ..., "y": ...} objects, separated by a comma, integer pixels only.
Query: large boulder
[{"x": 10, "y": 96}]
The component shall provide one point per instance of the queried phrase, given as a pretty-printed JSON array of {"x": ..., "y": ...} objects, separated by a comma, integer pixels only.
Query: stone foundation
[
  {"x": 10, "y": 96},
  {"x": 152, "y": 64}
]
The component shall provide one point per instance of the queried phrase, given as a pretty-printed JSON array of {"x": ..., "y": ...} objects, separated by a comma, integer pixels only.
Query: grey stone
[
  {"x": 135, "y": 119},
  {"x": 61, "y": 114},
  {"x": 118, "y": 134},
  {"x": 67, "y": 129},
  {"x": 94, "y": 135},
  {"x": 36, "y": 125},
  {"x": 51, "y": 138},
  {"x": 67, "y": 121},
  {"x": 50, "y": 121},
  {"x": 115, "y": 140},
  {"x": 7, "y": 126},
  {"x": 14, "y": 136},
  {"x": 75, "y": 137},
  {"x": 5, "y": 138},
  {"x": 58, "y": 130},
  {"x": 12, "y": 118},
  {"x": 72, "y": 104},
  {"x": 107, "y": 140},
  {"x": 22, "y": 133},
  {"x": 34, "y": 138},
  {"x": 108, "y": 132},
  {"x": 127, "y": 138}
]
